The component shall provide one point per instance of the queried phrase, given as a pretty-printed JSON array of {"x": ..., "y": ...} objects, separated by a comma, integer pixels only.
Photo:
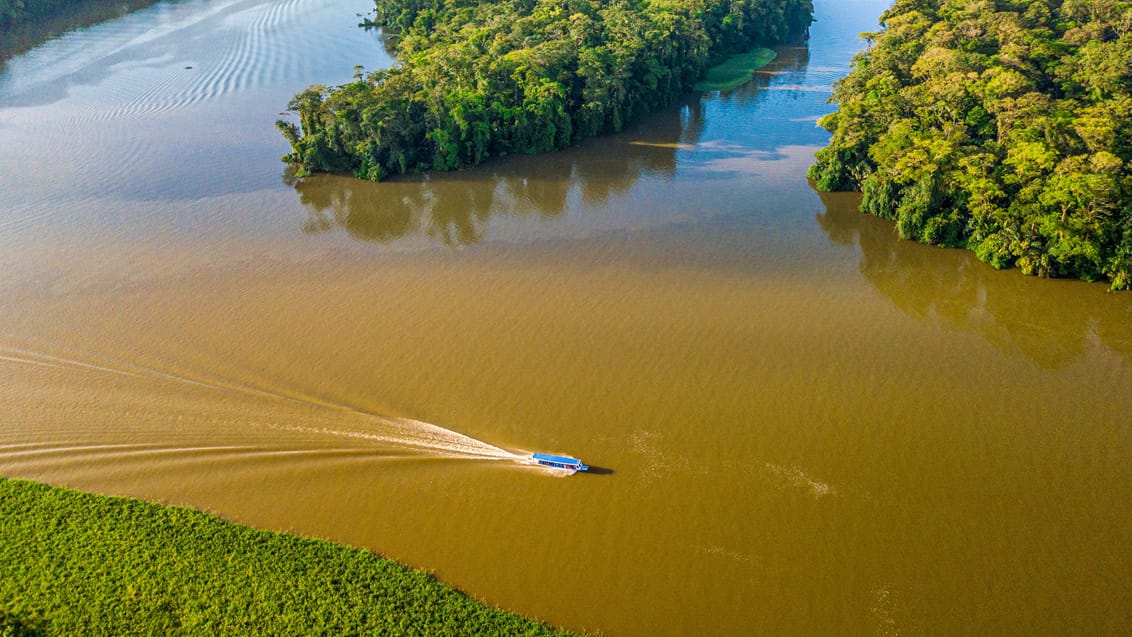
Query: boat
[{"x": 559, "y": 462}]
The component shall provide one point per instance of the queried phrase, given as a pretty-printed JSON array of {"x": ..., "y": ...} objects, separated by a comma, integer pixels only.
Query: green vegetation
[
  {"x": 26, "y": 24},
  {"x": 78, "y": 564},
  {"x": 1001, "y": 126},
  {"x": 13, "y": 12},
  {"x": 493, "y": 77},
  {"x": 735, "y": 71},
  {"x": 12, "y": 626}
]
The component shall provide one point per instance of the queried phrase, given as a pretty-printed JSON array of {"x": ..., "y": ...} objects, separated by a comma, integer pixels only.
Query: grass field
[
  {"x": 73, "y": 563},
  {"x": 735, "y": 70}
]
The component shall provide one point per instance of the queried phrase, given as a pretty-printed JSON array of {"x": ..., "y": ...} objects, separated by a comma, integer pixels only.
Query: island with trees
[
  {"x": 1001, "y": 126},
  {"x": 485, "y": 78}
]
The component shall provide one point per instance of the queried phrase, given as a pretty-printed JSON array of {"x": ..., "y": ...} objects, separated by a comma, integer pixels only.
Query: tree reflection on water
[
  {"x": 1051, "y": 323},
  {"x": 455, "y": 208},
  {"x": 25, "y": 36}
]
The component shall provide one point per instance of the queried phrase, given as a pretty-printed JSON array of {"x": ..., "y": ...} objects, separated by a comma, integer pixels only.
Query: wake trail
[
  {"x": 420, "y": 438},
  {"x": 402, "y": 435},
  {"x": 26, "y": 357}
]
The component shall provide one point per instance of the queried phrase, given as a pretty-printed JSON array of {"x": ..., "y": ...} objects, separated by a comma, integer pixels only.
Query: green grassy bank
[
  {"x": 735, "y": 71},
  {"x": 73, "y": 563}
]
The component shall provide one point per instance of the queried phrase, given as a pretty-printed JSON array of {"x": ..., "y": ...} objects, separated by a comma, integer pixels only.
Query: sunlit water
[{"x": 798, "y": 424}]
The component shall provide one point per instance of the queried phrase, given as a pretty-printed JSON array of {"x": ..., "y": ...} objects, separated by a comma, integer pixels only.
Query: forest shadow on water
[
  {"x": 25, "y": 36},
  {"x": 1050, "y": 322},
  {"x": 455, "y": 208}
]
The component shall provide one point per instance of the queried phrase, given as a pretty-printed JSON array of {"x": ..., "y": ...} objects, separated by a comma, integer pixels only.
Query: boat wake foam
[
  {"x": 418, "y": 438},
  {"x": 383, "y": 435}
]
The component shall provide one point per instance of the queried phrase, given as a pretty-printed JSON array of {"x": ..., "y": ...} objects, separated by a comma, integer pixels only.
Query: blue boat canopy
[{"x": 562, "y": 462}]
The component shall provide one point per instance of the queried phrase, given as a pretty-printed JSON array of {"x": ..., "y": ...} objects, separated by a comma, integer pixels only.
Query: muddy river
[{"x": 799, "y": 424}]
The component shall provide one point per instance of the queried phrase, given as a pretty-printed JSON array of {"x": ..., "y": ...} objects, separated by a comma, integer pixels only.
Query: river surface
[{"x": 799, "y": 424}]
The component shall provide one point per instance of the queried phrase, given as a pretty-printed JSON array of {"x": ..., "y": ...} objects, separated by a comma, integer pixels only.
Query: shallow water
[{"x": 800, "y": 424}]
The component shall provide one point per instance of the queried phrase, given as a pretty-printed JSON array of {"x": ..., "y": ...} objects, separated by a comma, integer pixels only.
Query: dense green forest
[
  {"x": 1003, "y": 126},
  {"x": 13, "y": 12},
  {"x": 493, "y": 77}
]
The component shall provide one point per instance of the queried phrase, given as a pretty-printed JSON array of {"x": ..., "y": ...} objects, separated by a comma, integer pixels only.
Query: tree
[
  {"x": 1000, "y": 126},
  {"x": 481, "y": 79}
]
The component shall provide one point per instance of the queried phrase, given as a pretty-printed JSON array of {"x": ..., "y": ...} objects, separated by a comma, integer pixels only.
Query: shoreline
[
  {"x": 736, "y": 70},
  {"x": 74, "y": 562}
]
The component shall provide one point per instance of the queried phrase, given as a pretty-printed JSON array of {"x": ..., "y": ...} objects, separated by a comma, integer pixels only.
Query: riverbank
[
  {"x": 24, "y": 27},
  {"x": 75, "y": 563},
  {"x": 735, "y": 71}
]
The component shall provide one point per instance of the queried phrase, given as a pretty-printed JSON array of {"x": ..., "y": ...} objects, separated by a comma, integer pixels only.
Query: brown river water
[{"x": 799, "y": 424}]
